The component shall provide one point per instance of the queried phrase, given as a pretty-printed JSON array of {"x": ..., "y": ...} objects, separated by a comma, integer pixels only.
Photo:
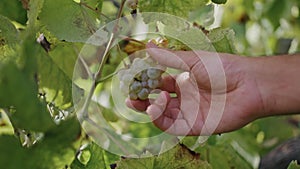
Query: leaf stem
[{"x": 107, "y": 77}]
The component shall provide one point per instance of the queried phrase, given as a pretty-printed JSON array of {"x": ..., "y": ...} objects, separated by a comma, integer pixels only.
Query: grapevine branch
[{"x": 83, "y": 114}]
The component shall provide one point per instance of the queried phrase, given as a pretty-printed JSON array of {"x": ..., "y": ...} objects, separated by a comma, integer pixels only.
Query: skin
[{"x": 253, "y": 87}]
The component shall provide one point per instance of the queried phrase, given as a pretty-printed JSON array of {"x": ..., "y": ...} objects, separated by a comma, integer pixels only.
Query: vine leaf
[
  {"x": 64, "y": 56},
  {"x": 177, "y": 157},
  {"x": 223, "y": 40},
  {"x": 54, "y": 151},
  {"x": 8, "y": 38},
  {"x": 68, "y": 20},
  {"x": 8, "y": 32},
  {"x": 55, "y": 82},
  {"x": 13, "y": 10},
  {"x": 35, "y": 7},
  {"x": 99, "y": 158},
  {"x": 193, "y": 38},
  {"x": 178, "y": 8},
  {"x": 19, "y": 90}
]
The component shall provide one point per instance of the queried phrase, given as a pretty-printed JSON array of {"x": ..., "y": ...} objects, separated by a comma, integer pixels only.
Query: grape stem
[
  {"x": 108, "y": 76},
  {"x": 131, "y": 39}
]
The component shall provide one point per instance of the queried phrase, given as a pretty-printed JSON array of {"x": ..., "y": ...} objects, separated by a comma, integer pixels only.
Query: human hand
[{"x": 215, "y": 93}]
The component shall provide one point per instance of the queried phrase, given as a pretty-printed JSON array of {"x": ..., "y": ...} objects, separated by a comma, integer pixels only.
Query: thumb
[{"x": 183, "y": 60}]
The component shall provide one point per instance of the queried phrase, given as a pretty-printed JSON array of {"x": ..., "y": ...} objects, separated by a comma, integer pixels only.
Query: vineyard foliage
[{"x": 39, "y": 127}]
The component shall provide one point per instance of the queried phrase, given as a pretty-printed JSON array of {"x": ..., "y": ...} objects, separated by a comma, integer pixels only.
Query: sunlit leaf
[
  {"x": 68, "y": 20},
  {"x": 177, "y": 157}
]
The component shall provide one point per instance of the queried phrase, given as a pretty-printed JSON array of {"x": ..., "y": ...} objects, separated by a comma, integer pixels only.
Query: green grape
[
  {"x": 136, "y": 86},
  {"x": 133, "y": 96},
  {"x": 153, "y": 73},
  {"x": 219, "y": 1},
  {"x": 144, "y": 76},
  {"x": 145, "y": 84},
  {"x": 153, "y": 83},
  {"x": 143, "y": 94}
]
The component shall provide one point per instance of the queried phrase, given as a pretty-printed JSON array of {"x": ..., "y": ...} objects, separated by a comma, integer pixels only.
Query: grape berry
[{"x": 143, "y": 76}]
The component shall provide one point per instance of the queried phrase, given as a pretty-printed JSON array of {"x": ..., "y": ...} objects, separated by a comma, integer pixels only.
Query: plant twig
[{"x": 83, "y": 114}]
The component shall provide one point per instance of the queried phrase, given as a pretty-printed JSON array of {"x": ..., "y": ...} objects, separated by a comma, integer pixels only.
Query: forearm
[{"x": 278, "y": 80}]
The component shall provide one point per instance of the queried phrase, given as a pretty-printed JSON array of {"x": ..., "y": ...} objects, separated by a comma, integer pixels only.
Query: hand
[{"x": 199, "y": 91}]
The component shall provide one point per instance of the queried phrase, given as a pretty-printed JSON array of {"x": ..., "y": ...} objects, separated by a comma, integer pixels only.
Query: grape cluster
[{"x": 143, "y": 76}]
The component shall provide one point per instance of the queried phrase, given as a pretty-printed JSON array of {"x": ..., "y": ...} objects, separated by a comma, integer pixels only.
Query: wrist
[{"x": 278, "y": 82}]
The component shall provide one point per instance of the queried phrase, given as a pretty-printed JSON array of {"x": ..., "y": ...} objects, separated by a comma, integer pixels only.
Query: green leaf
[
  {"x": 55, "y": 71},
  {"x": 204, "y": 16},
  {"x": 65, "y": 57},
  {"x": 54, "y": 151},
  {"x": 293, "y": 165},
  {"x": 18, "y": 91},
  {"x": 178, "y": 8},
  {"x": 223, "y": 156},
  {"x": 54, "y": 82},
  {"x": 192, "y": 38},
  {"x": 13, "y": 10},
  {"x": 18, "y": 88},
  {"x": 8, "y": 38},
  {"x": 99, "y": 158},
  {"x": 177, "y": 157},
  {"x": 35, "y": 7},
  {"x": 222, "y": 40},
  {"x": 64, "y": 133},
  {"x": 276, "y": 11},
  {"x": 68, "y": 20},
  {"x": 8, "y": 32},
  {"x": 96, "y": 4}
]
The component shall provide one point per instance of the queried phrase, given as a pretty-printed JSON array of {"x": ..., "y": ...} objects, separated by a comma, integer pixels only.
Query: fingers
[
  {"x": 156, "y": 109},
  {"x": 142, "y": 105},
  {"x": 168, "y": 84},
  {"x": 183, "y": 60},
  {"x": 137, "y": 105}
]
